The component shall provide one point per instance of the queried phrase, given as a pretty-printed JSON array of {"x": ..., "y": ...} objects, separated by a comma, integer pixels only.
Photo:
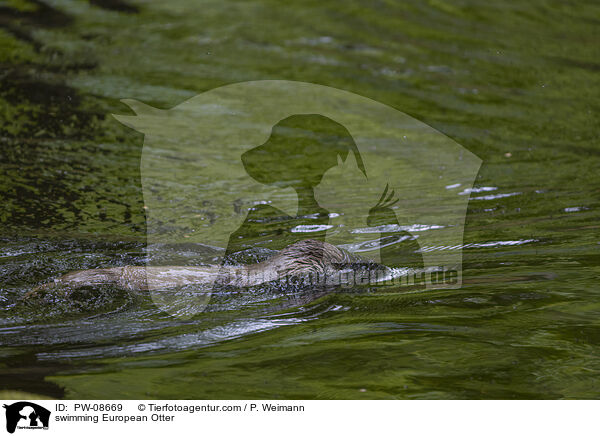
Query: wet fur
[{"x": 309, "y": 258}]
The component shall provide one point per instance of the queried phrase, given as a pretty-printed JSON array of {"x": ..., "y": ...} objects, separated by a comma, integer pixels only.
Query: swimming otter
[{"x": 316, "y": 262}]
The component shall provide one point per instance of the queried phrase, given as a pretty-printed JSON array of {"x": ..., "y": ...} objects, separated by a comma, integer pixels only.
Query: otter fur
[{"x": 311, "y": 260}]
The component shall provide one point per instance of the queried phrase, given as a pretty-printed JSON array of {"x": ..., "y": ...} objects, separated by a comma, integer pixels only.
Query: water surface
[{"x": 515, "y": 83}]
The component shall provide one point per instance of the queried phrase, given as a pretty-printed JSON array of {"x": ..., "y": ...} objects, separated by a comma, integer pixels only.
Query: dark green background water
[{"x": 516, "y": 83}]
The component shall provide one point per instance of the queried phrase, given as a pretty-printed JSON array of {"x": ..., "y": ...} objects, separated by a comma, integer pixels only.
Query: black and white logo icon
[{"x": 26, "y": 415}]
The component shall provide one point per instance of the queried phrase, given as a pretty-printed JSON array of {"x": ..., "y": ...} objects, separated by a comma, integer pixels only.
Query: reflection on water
[{"x": 514, "y": 83}]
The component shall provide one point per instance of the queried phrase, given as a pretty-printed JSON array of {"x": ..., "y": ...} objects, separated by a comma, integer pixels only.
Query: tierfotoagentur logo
[
  {"x": 26, "y": 415},
  {"x": 269, "y": 163}
]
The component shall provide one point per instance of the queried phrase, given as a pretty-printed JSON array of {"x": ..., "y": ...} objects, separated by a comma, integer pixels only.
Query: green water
[{"x": 515, "y": 83}]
